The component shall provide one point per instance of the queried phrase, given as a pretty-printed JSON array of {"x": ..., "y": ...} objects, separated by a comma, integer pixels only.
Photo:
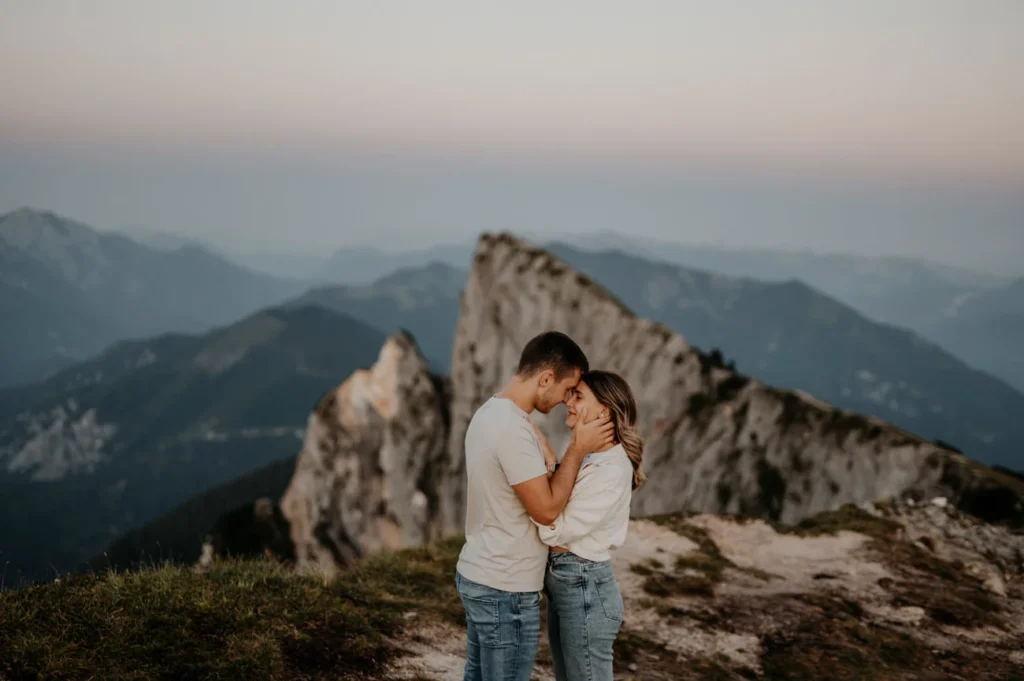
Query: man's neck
[{"x": 521, "y": 394}]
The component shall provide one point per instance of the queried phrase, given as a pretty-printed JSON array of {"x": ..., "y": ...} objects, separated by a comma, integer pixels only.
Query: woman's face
[{"x": 582, "y": 397}]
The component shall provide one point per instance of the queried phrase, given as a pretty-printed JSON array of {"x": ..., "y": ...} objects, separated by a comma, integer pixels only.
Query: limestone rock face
[
  {"x": 363, "y": 480},
  {"x": 717, "y": 441}
]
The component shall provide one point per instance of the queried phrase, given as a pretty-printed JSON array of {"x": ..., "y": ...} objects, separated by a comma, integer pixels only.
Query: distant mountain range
[
  {"x": 929, "y": 298},
  {"x": 365, "y": 265},
  {"x": 933, "y": 299},
  {"x": 976, "y": 316},
  {"x": 424, "y": 301},
  {"x": 113, "y": 442},
  {"x": 68, "y": 291},
  {"x": 987, "y": 329}
]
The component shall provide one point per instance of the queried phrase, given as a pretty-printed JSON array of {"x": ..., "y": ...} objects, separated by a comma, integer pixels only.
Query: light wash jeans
[
  {"x": 584, "y": 616},
  {"x": 502, "y": 631}
]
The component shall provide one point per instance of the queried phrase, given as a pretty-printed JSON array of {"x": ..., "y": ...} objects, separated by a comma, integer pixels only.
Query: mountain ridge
[
  {"x": 69, "y": 291},
  {"x": 423, "y": 300}
]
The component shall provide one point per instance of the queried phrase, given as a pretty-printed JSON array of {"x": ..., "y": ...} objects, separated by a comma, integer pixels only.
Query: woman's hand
[{"x": 550, "y": 459}]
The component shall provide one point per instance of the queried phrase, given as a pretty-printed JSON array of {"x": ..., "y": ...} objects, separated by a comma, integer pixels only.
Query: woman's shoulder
[{"x": 612, "y": 464}]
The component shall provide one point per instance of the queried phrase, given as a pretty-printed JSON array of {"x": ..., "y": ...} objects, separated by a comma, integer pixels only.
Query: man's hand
[{"x": 591, "y": 437}]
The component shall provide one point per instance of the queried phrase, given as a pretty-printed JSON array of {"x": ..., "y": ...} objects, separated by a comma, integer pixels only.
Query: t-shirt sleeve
[{"x": 519, "y": 454}]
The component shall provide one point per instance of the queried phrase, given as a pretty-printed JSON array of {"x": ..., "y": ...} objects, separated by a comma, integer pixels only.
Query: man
[{"x": 501, "y": 568}]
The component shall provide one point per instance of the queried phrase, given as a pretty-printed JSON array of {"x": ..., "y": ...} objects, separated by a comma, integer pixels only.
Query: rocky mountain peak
[{"x": 363, "y": 480}]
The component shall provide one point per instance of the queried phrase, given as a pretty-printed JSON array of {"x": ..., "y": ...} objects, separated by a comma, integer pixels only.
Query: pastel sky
[{"x": 875, "y": 90}]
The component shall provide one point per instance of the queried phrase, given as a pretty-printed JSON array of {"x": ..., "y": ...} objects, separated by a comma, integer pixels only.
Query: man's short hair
[{"x": 552, "y": 350}]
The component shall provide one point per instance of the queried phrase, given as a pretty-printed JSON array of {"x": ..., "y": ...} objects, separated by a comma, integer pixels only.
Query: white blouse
[{"x": 596, "y": 518}]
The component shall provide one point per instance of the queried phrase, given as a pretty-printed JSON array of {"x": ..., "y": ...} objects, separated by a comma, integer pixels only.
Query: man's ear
[{"x": 546, "y": 378}]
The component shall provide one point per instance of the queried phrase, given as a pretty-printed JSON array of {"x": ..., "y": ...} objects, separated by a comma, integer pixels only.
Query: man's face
[{"x": 554, "y": 392}]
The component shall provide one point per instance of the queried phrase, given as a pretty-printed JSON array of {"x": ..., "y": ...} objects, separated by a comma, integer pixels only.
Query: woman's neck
[{"x": 611, "y": 446}]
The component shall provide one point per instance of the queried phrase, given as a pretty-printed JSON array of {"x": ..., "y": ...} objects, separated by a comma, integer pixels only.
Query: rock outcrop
[
  {"x": 717, "y": 441},
  {"x": 849, "y": 594},
  {"x": 364, "y": 478}
]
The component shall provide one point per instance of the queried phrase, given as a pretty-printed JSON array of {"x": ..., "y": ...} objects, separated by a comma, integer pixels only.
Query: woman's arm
[{"x": 550, "y": 458}]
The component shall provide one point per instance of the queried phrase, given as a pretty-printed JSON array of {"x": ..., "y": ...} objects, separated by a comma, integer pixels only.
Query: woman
[{"x": 584, "y": 603}]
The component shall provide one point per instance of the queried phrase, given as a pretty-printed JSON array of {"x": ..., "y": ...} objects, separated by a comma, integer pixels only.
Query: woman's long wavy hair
[{"x": 612, "y": 391}]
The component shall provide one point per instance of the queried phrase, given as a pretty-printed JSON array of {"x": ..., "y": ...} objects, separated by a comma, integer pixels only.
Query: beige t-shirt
[{"x": 502, "y": 548}]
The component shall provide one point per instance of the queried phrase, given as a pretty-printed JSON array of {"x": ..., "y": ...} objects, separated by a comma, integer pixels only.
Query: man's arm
[{"x": 544, "y": 497}]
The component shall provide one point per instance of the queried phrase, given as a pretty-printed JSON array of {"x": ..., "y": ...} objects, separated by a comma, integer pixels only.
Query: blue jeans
[
  {"x": 502, "y": 632},
  {"x": 584, "y": 615}
]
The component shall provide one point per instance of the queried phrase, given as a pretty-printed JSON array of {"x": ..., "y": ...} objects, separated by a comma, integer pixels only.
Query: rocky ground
[{"x": 872, "y": 592}]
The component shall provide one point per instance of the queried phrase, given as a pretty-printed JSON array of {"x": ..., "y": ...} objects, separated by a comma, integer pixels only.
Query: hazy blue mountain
[
  {"x": 974, "y": 315},
  {"x": 284, "y": 264},
  {"x": 987, "y": 329},
  {"x": 908, "y": 292},
  {"x": 167, "y": 241},
  {"x": 363, "y": 265},
  {"x": 111, "y": 443},
  {"x": 280, "y": 263},
  {"x": 790, "y": 335},
  {"x": 68, "y": 291},
  {"x": 422, "y": 300}
]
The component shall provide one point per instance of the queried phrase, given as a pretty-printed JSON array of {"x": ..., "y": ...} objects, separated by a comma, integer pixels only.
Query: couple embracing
[{"x": 534, "y": 523}]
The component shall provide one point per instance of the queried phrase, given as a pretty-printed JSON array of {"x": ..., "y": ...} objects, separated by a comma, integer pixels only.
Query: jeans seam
[
  {"x": 586, "y": 620},
  {"x": 517, "y": 620}
]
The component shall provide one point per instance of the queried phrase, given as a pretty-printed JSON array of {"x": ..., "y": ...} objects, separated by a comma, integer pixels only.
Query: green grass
[
  {"x": 249, "y": 620},
  {"x": 849, "y": 518}
]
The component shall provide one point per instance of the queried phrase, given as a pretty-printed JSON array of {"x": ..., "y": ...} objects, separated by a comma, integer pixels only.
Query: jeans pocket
[
  {"x": 484, "y": 615},
  {"x": 611, "y": 599}
]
